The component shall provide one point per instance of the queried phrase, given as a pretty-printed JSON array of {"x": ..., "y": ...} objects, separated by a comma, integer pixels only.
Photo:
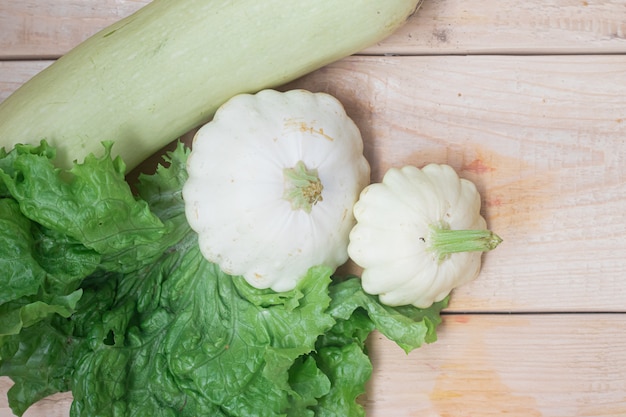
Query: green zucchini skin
[{"x": 164, "y": 70}]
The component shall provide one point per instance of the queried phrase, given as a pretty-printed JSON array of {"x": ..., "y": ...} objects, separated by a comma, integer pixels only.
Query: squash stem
[
  {"x": 303, "y": 188},
  {"x": 444, "y": 241}
]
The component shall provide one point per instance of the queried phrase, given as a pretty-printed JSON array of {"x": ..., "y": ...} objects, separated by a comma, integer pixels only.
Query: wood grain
[
  {"x": 487, "y": 366},
  {"x": 15, "y": 73},
  {"x": 512, "y": 27},
  {"x": 528, "y": 100},
  {"x": 50, "y": 28},
  {"x": 517, "y": 366},
  {"x": 543, "y": 139}
]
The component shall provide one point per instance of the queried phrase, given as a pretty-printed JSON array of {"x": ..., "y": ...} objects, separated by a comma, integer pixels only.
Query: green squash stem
[{"x": 444, "y": 241}]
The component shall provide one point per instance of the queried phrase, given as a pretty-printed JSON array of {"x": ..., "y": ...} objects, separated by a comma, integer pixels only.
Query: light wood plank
[
  {"x": 15, "y": 73},
  {"x": 49, "y": 28},
  {"x": 512, "y": 27},
  {"x": 487, "y": 366},
  {"x": 515, "y": 366},
  {"x": 543, "y": 139}
]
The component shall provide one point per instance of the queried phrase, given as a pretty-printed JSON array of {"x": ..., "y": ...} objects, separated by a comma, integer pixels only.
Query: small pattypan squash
[
  {"x": 419, "y": 234},
  {"x": 272, "y": 181}
]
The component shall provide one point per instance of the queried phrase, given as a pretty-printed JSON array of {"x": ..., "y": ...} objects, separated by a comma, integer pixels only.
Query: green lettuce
[{"x": 104, "y": 293}]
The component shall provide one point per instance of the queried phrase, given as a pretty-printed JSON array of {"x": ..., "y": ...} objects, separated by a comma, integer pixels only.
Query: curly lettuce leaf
[
  {"x": 410, "y": 327},
  {"x": 308, "y": 384},
  {"x": 342, "y": 351},
  {"x": 123, "y": 310},
  {"x": 21, "y": 273},
  {"x": 203, "y": 348},
  {"x": 29, "y": 291},
  {"x": 22, "y": 313},
  {"x": 91, "y": 203},
  {"x": 39, "y": 361},
  {"x": 338, "y": 363},
  {"x": 339, "y": 353}
]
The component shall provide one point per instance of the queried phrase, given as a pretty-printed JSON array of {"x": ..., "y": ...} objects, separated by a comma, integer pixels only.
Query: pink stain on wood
[
  {"x": 494, "y": 202},
  {"x": 478, "y": 166},
  {"x": 462, "y": 319}
]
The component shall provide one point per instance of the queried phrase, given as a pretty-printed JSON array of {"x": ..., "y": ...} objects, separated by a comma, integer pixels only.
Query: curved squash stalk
[{"x": 153, "y": 76}]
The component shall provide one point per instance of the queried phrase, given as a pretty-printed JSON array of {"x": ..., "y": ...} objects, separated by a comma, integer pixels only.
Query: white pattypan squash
[
  {"x": 419, "y": 234},
  {"x": 272, "y": 181}
]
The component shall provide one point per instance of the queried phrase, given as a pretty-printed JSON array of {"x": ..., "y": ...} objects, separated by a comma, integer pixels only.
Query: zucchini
[{"x": 164, "y": 70}]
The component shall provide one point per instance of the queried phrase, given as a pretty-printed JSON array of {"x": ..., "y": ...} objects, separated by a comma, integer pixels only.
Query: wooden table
[{"x": 528, "y": 100}]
